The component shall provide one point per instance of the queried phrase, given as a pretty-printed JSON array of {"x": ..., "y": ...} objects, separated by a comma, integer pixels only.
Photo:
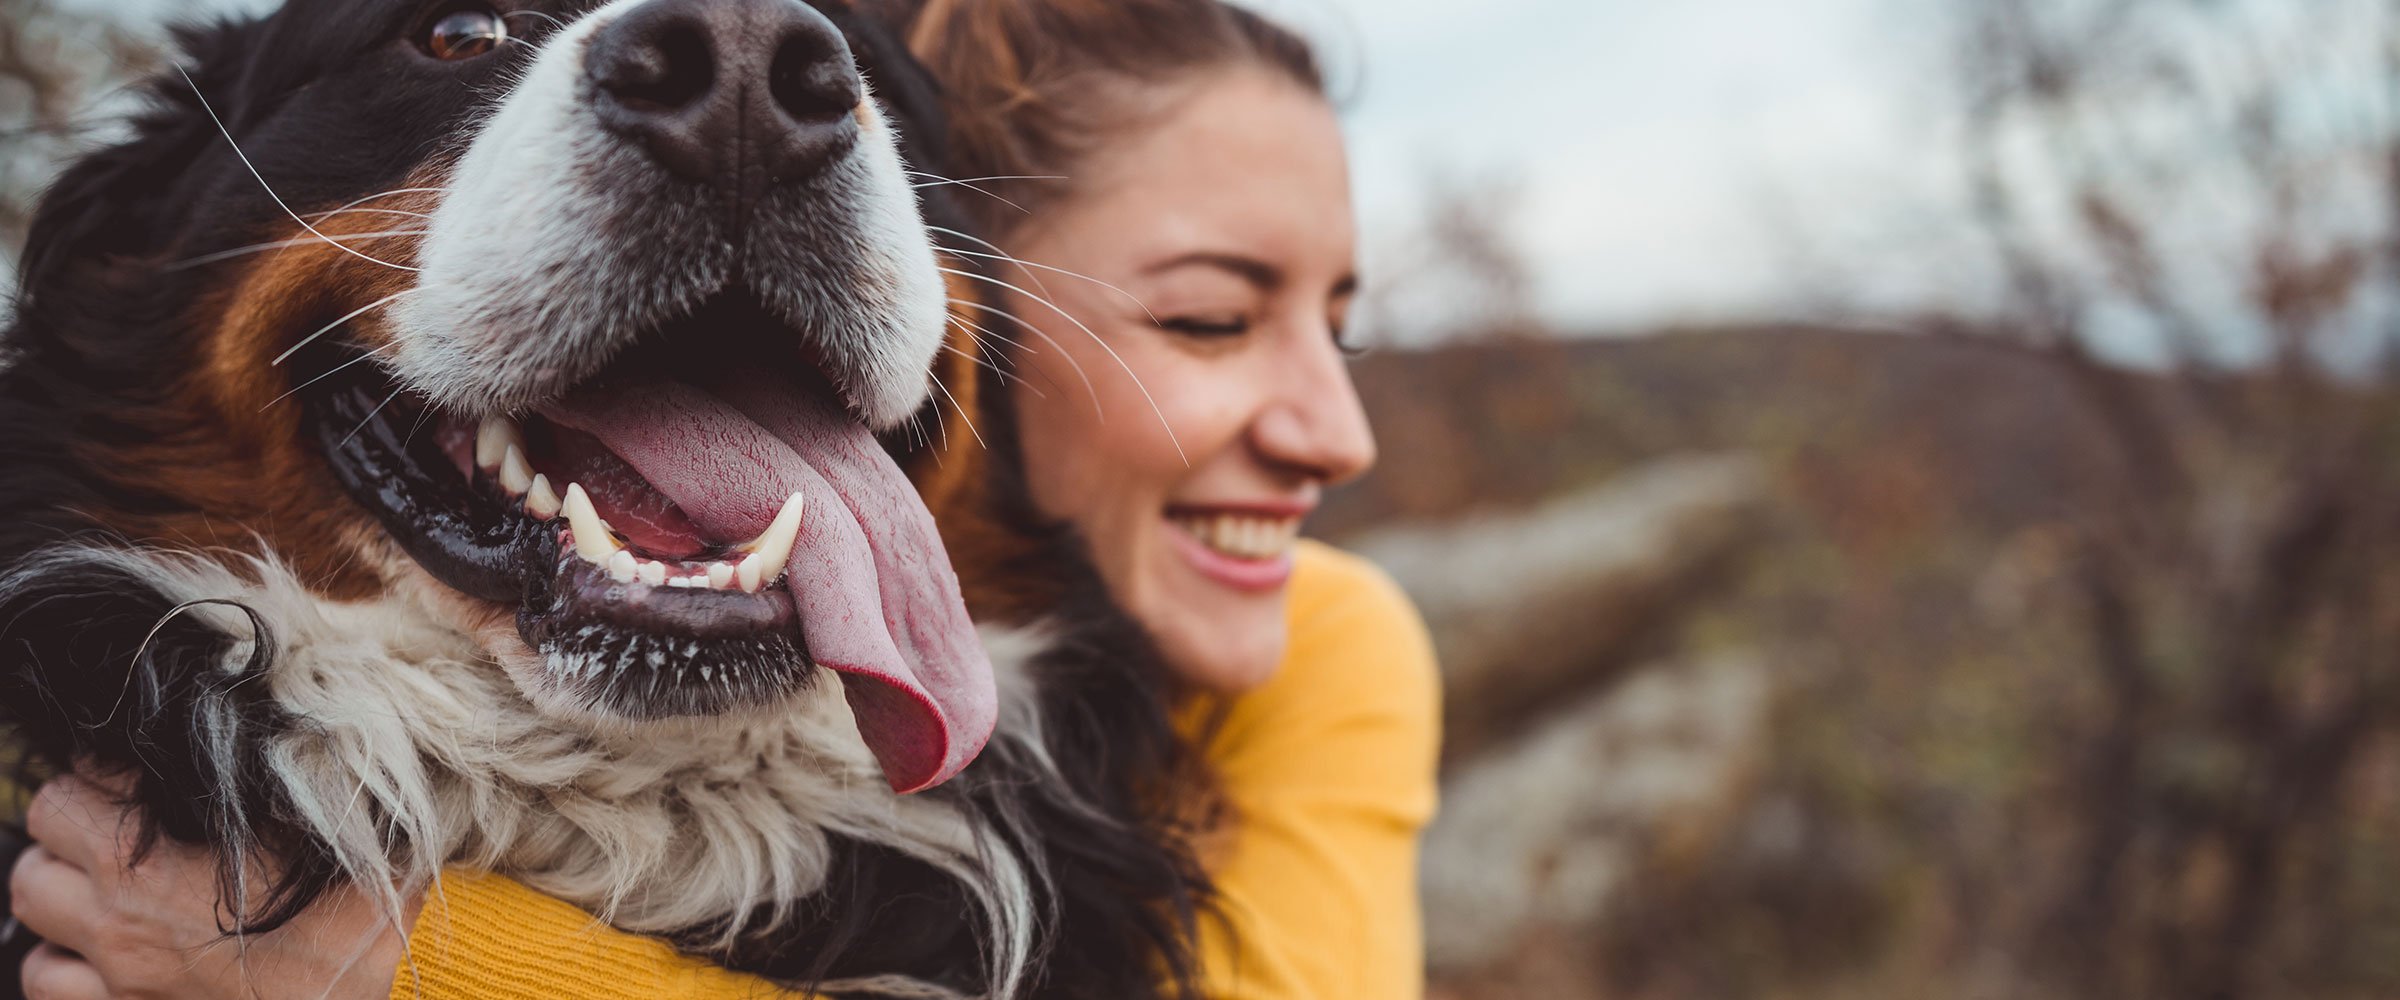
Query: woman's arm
[
  {"x": 484, "y": 937},
  {"x": 117, "y": 931}
]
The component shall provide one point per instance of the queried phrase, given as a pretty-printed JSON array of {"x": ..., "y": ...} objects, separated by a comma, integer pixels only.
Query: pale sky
[{"x": 1677, "y": 160}]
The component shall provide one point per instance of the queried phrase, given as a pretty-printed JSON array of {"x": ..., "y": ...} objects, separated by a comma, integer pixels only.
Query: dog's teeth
[
  {"x": 621, "y": 566},
  {"x": 687, "y": 581},
  {"x": 720, "y": 575},
  {"x": 774, "y": 545},
  {"x": 747, "y": 574},
  {"x": 592, "y": 540},
  {"x": 516, "y": 474},
  {"x": 493, "y": 438},
  {"x": 540, "y": 500},
  {"x": 653, "y": 573}
]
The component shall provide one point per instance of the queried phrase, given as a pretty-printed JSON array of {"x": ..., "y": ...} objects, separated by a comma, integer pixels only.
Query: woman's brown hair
[{"x": 1033, "y": 87}]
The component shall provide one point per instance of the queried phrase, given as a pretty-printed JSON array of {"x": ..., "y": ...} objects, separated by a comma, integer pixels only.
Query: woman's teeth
[
  {"x": 500, "y": 451},
  {"x": 1242, "y": 536}
]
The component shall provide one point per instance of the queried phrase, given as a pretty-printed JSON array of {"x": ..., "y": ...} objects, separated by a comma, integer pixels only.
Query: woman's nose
[{"x": 1315, "y": 423}]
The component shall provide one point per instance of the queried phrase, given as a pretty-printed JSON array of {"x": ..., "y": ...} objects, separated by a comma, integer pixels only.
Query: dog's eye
[{"x": 465, "y": 34}]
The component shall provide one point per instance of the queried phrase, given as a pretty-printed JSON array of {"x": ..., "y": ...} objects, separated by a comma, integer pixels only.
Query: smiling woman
[{"x": 1228, "y": 299}]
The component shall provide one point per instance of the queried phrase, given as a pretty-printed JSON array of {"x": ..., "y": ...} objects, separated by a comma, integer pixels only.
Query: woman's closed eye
[{"x": 1205, "y": 326}]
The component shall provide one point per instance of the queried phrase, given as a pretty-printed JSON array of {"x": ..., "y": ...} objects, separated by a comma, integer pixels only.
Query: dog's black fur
[{"x": 100, "y": 670}]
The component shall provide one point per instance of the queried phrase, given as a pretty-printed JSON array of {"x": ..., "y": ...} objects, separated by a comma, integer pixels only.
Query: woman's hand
[{"x": 115, "y": 931}]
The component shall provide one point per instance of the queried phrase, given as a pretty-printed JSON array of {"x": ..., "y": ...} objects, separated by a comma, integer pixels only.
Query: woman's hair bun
[{"x": 1030, "y": 87}]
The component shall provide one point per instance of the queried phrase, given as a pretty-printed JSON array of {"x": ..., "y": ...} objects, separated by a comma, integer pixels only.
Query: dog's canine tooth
[
  {"x": 592, "y": 540},
  {"x": 622, "y": 567},
  {"x": 747, "y": 574},
  {"x": 493, "y": 438},
  {"x": 516, "y": 474},
  {"x": 541, "y": 500},
  {"x": 774, "y": 545}
]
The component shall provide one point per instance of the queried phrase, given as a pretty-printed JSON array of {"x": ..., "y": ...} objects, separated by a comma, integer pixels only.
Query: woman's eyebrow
[{"x": 1257, "y": 272}]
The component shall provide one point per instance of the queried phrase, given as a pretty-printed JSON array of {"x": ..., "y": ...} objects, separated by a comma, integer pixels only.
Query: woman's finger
[
  {"x": 53, "y": 898},
  {"x": 77, "y": 821},
  {"x": 51, "y": 973}
]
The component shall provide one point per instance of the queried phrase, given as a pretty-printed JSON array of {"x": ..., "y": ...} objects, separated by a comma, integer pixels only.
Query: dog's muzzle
[{"x": 742, "y": 95}]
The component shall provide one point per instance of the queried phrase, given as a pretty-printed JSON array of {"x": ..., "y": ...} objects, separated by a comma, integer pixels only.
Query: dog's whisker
[
  {"x": 223, "y": 255},
  {"x": 370, "y": 418},
  {"x": 962, "y": 414},
  {"x": 353, "y": 314},
  {"x": 422, "y": 416},
  {"x": 939, "y": 180},
  {"x": 971, "y": 186},
  {"x": 916, "y": 429},
  {"x": 328, "y": 373},
  {"x": 262, "y": 180},
  {"x": 1022, "y": 358},
  {"x": 1022, "y": 262},
  {"x": 349, "y": 210},
  {"x": 1030, "y": 274},
  {"x": 1090, "y": 392},
  {"x": 995, "y": 369},
  {"x": 379, "y": 195},
  {"x": 1155, "y": 409},
  {"x": 982, "y": 331},
  {"x": 940, "y": 425}
]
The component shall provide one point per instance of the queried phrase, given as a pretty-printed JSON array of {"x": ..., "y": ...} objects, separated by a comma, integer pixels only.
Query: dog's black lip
[{"x": 440, "y": 520}]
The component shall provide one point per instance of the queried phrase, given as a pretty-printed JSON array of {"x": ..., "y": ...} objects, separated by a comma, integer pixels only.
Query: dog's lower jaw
[{"x": 420, "y": 752}]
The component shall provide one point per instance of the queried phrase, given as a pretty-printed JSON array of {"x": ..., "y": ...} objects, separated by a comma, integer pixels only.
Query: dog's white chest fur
[{"x": 414, "y": 752}]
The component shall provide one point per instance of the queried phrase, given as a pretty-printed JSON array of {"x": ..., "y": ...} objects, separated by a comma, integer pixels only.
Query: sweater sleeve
[
  {"x": 483, "y": 937},
  {"x": 1329, "y": 771}
]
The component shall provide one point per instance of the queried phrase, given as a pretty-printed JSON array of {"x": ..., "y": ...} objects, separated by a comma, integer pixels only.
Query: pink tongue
[{"x": 870, "y": 579}]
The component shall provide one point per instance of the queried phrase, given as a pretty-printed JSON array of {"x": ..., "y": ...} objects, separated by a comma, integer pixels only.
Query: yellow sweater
[{"x": 1328, "y": 768}]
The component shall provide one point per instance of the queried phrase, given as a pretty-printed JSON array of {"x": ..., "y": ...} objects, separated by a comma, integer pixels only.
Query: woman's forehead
[{"x": 1246, "y": 165}]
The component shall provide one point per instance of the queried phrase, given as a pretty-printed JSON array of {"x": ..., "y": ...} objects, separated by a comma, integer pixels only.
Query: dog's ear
[{"x": 124, "y": 201}]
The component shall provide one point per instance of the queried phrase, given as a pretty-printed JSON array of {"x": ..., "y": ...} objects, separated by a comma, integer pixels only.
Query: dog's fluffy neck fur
[{"x": 418, "y": 754}]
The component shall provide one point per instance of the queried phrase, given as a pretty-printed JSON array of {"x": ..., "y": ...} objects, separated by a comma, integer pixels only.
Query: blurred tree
[
  {"x": 61, "y": 66},
  {"x": 1455, "y": 273},
  {"x": 2215, "y": 185}
]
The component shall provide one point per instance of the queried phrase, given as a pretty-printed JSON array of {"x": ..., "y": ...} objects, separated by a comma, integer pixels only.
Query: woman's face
[{"x": 1206, "y": 408}]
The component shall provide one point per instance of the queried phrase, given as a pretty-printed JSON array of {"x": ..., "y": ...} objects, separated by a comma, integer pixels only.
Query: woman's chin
[
  {"x": 1216, "y": 638},
  {"x": 1218, "y": 619},
  {"x": 1226, "y": 655}
]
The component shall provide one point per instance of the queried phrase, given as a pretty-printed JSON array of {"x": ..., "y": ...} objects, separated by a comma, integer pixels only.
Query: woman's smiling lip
[
  {"x": 1242, "y": 544},
  {"x": 1247, "y": 575},
  {"x": 1294, "y": 509}
]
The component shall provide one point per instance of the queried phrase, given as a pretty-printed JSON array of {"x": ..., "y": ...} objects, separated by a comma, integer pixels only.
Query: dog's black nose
[{"x": 739, "y": 94}]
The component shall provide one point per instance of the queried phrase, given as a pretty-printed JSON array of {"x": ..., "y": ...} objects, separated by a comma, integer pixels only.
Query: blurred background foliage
[{"x": 1852, "y": 652}]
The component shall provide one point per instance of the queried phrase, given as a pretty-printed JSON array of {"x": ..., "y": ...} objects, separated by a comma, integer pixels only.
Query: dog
[{"x": 533, "y": 438}]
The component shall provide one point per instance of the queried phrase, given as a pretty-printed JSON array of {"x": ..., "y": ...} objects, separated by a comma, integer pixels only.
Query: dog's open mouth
[{"x": 691, "y": 531}]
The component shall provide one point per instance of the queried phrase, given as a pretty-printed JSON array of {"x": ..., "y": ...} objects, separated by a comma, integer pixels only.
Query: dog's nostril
[
  {"x": 811, "y": 80},
  {"x": 669, "y": 69}
]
